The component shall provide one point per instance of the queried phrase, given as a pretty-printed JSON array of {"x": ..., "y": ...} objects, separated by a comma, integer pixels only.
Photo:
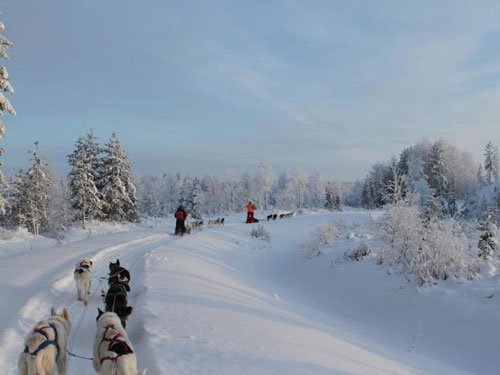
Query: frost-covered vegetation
[
  {"x": 322, "y": 236},
  {"x": 427, "y": 249},
  {"x": 261, "y": 233}
]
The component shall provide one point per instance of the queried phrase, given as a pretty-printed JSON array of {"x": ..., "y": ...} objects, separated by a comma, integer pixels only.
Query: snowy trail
[
  {"x": 221, "y": 302},
  {"x": 28, "y": 294},
  {"x": 210, "y": 311}
]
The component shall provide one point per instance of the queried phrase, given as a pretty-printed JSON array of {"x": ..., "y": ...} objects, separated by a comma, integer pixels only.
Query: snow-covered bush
[
  {"x": 488, "y": 242},
  {"x": 319, "y": 239},
  {"x": 261, "y": 233},
  {"x": 358, "y": 253},
  {"x": 427, "y": 250}
]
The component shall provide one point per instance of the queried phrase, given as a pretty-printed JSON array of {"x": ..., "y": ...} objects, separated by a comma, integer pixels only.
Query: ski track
[{"x": 57, "y": 288}]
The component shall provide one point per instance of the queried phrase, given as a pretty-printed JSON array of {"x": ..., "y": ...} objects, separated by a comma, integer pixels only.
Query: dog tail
[
  {"x": 30, "y": 364},
  {"x": 22, "y": 364}
]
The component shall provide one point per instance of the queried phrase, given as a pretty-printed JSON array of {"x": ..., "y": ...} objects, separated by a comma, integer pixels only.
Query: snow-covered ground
[{"x": 219, "y": 301}]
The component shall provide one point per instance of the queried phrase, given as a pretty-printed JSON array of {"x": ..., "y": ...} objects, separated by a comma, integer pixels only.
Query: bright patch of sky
[{"x": 202, "y": 86}]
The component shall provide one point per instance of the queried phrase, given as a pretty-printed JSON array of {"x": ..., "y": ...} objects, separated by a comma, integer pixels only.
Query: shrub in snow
[
  {"x": 487, "y": 239},
  {"x": 427, "y": 250},
  {"x": 319, "y": 239},
  {"x": 261, "y": 234},
  {"x": 358, "y": 253}
]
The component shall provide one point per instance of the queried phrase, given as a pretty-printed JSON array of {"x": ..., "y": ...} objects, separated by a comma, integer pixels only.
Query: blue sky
[{"x": 202, "y": 86}]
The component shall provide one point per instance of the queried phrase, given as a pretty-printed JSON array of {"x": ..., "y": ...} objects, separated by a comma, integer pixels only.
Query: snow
[{"x": 220, "y": 301}]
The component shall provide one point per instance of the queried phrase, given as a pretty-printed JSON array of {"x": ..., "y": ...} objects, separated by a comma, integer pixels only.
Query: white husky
[
  {"x": 45, "y": 346},
  {"x": 113, "y": 352},
  {"x": 82, "y": 278}
]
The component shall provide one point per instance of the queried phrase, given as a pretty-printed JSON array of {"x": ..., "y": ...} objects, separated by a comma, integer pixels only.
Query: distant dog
[
  {"x": 82, "y": 278},
  {"x": 116, "y": 300},
  {"x": 118, "y": 274},
  {"x": 113, "y": 352},
  {"x": 45, "y": 346},
  {"x": 197, "y": 224}
]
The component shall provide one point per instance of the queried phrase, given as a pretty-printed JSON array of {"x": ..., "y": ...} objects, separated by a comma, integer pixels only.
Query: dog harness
[
  {"x": 47, "y": 342},
  {"x": 116, "y": 338}
]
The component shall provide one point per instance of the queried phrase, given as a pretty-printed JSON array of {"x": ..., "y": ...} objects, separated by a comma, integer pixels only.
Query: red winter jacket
[{"x": 180, "y": 215}]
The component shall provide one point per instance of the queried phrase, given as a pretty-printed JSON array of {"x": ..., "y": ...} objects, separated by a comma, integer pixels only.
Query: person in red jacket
[
  {"x": 180, "y": 217},
  {"x": 249, "y": 213}
]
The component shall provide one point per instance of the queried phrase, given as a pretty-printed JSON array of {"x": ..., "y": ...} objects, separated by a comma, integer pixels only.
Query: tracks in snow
[{"x": 54, "y": 286}]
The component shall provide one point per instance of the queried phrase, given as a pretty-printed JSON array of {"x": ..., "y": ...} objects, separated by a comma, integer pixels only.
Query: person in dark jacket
[{"x": 180, "y": 217}]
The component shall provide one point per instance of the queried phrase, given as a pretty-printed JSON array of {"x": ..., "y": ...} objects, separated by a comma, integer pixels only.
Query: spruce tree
[
  {"x": 487, "y": 239},
  {"x": 85, "y": 197},
  {"x": 115, "y": 183},
  {"x": 480, "y": 177},
  {"x": 5, "y": 106},
  {"x": 330, "y": 198},
  {"x": 436, "y": 170},
  {"x": 37, "y": 189},
  {"x": 14, "y": 216},
  {"x": 195, "y": 204},
  {"x": 491, "y": 163}
]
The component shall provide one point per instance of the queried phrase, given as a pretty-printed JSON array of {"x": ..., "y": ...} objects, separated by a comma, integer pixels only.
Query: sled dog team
[
  {"x": 218, "y": 221},
  {"x": 281, "y": 216},
  {"x": 45, "y": 346}
]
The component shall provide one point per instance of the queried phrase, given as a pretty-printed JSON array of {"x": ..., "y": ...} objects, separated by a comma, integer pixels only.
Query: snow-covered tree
[
  {"x": 332, "y": 198},
  {"x": 416, "y": 181},
  {"x": 5, "y": 106},
  {"x": 115, "y": 183},
  {"x": 491, "y": 162},
  {"x": 265, "y": 179},
  {"x": 315, "y": 190},
  {"x": 37, "y": 189},
  {"x": 368, "y": 198},
  {"x": 150, "y": 191},
  {"x": 5, "y": 86},
  {"x": 14, "y": 216},
  {"x": 61, "y": 213},
  {"x": 480, "y": 176},
  {"x": 436, "y": 170},
  {"x": 230, "y": 187},
  {"x": 213, "y": 195},
  {"x": 193, "y": 202},
  {"x": 297, "y": 188},
  {"x": 487, "y": 238},
  {"x": 394, "y": 191},
  {"x": 429, "y": 251},
  {"x": 82, "y": 179}
]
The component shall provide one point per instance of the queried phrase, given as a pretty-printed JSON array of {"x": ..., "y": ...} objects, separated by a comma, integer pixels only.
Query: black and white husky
[
  {"x": 113, "y": 352},
  {"x": 116, "y": 300},
  {"x": 82, "y": 278},
  {"x": 118, "y": 274},
  {"x": 45, "y": 346}
]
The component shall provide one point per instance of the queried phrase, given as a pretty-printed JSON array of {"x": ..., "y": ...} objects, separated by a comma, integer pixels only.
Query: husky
[
  {"x": 45, "y": 346},
  {"x": 113, "y": 352},
  {"x": 116, "y": 301},
  {"x": 82, "y": 278},
  {"x": 118, "y": 274}
]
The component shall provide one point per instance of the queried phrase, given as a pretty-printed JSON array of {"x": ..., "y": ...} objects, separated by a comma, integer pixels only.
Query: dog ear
[
  {"x": 99, "y": 313},
  {"x": 53, "y": 311},
  {"x": 65, "y": 313},
  {"x": 127, "y": 310}
]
